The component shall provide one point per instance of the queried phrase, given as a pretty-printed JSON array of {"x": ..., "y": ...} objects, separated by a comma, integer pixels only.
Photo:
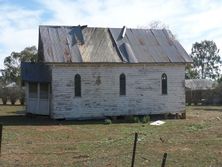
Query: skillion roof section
[
  {"x": 79, "y": 44},
  {"x": 35, "y": 72}
]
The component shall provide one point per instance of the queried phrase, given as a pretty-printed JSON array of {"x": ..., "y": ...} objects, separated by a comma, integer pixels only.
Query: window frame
[
  {"x": 77, "y": 86},
  {"x": 122, "y": 84},
  {"x": 164, "y": 84}
]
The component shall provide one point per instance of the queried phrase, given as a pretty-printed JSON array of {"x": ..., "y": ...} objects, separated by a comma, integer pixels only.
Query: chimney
[{"x": 123, "y": 31}]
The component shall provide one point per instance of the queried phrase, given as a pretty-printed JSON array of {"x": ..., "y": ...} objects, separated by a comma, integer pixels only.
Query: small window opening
[
  {"x": 122, "y": 79},
  {"x": 164, "y": 84},
  {"x": 77, "y": 85}
]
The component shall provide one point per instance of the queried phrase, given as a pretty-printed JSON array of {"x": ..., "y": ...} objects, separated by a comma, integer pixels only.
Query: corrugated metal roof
[
  {"x": 199, "y": 84},
  {"x": 60, "y": 44},
  {"x": 98, "y": 46},
  {"x": 87, "y": 44},
  {"x": 151, "y": 45}
]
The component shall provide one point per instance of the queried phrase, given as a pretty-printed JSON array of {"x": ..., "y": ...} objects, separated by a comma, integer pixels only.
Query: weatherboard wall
[{"x": 100, "y": 90}]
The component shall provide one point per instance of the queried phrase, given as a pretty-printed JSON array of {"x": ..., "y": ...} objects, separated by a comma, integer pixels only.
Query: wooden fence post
[
  {"x": 134, "y": 150},
  {"x": 1, "y": 127},
  {"x": 164, "y": 160}
]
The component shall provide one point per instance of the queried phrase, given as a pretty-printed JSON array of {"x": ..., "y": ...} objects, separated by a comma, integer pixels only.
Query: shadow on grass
[
  {"x": 19, "y": 118},
  {"x": 22, "y": 120},
  {"x": 34, "y": 120}
]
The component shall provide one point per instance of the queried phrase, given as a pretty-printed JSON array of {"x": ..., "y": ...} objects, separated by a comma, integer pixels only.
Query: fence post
[
  {"x": 164, "y": 160},
  {"x": 134, "y": 150},
  {"x": 1, "y": 126}
]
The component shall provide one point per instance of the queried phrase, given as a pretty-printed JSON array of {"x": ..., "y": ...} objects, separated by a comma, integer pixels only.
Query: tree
[
  {"x": 11, "y": 72},
  {"x": 206, "y": 60},
  {"x": 190, "y": 72},
  {"x": 157, "y": 25},
  {"x": 219, "y": 80}
]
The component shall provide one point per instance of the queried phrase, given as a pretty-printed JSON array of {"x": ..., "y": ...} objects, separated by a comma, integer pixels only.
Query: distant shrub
[
  {"x": 107, "y": 121},
  {"x": 13, "y": 94},
  {"x": 4, "y": 95}
]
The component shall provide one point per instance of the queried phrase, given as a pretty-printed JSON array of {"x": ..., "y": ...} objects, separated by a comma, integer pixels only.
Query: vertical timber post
[
  {"x": 164, "y": 160},
  {"x": 1, "y": 126},
  {"x": 134, "y": 150}
]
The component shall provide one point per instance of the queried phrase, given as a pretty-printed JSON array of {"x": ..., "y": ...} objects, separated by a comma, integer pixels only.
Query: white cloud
[
  {"x": 18, "y": 29},
  {"x": 111, "y": 12},
  {"x": 191, "y": 21}
]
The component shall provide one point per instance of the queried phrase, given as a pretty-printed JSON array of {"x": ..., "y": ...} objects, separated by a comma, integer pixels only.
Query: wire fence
[
  {"x": 55, "y": 150},
  {"x": 62, "y": 153}
]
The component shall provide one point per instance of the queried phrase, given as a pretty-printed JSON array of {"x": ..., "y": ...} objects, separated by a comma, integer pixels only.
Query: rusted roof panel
[
  {"x": 87, "y": 44},
  {"x": 76, "y": 44},
  {"x": 98, "y": 46},
  {"x": 60, "y": 43}
]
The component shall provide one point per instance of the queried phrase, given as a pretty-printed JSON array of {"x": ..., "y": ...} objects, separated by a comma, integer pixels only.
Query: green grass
[{"x": 39, "y": 141}]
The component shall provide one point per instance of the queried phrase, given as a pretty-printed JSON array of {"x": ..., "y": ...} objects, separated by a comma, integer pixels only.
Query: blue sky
[{"x": 190, "y": 20}]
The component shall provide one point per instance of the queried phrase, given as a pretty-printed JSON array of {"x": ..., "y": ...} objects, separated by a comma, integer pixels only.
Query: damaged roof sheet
[{"x": 86, "y": 44}]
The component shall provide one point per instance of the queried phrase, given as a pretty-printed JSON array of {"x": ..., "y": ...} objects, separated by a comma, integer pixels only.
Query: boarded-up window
[
  {"x": 164, "y": 84},
  {"x": 33, "y": 90},
  {"x": 77, "y": 85},
  {"x": 122, "y": 81},
  {"x": 44, "y": 91}
]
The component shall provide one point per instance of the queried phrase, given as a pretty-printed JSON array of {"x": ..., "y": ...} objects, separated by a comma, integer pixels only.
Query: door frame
[{"x": 28, "y": 108}]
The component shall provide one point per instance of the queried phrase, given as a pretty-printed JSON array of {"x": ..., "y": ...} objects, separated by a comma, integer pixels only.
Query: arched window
[
  {"x": 164, "y": 84},
  {"x": 77, "y": 85},
  {"x": 122, "y": 85}
]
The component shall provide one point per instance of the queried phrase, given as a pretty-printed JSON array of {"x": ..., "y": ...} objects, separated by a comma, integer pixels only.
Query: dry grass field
[{"x": 39, "y": 141}]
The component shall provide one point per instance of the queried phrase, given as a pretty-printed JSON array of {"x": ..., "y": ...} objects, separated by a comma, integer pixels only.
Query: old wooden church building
[{"x": 86, "y": 72}]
